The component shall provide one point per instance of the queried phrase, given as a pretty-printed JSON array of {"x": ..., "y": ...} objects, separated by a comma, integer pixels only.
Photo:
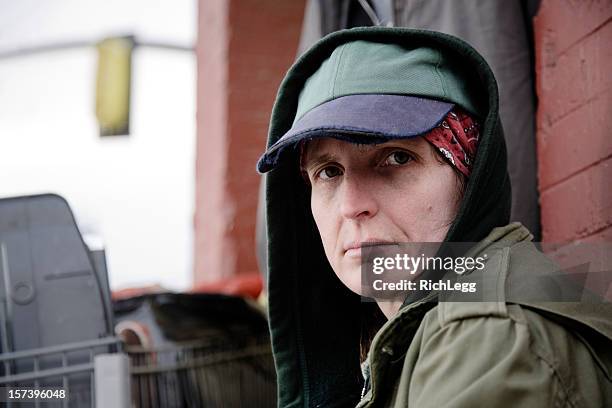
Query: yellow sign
[{"x": 113, "y": 84}]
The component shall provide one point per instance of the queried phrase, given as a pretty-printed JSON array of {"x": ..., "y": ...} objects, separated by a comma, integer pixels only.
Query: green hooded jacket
[{"x": 506, "y": 352}]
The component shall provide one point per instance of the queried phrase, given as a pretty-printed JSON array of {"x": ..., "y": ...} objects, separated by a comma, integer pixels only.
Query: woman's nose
[{"x": 357, "y": 199}]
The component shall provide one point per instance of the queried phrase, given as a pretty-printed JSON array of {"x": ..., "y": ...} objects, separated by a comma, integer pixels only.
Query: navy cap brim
[{"x": 366, "y": 118}]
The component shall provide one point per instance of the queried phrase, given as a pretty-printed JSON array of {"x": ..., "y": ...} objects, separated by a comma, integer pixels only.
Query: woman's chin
[{"x": 351, "y": 278}]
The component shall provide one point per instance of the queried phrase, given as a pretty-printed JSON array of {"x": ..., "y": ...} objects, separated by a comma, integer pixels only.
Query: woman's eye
[
  {"x": 398, "y": 158},
  {"x": 329, "y": 172}
]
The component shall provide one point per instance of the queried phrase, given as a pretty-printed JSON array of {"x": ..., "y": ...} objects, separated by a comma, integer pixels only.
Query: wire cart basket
[
  {"x": 71, "y": 367},
  {"x": 202, "y": 374},
  {"x": 196, "y": 350},
  {"x": 58, "y": 325}
]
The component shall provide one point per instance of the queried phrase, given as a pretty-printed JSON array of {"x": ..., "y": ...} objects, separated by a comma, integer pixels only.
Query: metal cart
[{"x": 57, "y": 327}]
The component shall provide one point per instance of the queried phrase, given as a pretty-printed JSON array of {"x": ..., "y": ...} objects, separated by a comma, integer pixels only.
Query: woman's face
[{"x": 397, "y": 191}]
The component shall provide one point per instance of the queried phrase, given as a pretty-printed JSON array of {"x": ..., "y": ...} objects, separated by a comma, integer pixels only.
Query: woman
[{"x": 380, "y": 136}]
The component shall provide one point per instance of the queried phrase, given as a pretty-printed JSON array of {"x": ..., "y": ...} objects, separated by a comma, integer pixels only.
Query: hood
[{"x": 314, "y": 319}]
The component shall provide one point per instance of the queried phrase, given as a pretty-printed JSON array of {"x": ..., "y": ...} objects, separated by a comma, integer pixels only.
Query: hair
[
  {"x": 460, "y": 177},
  {"x": 372, "y": 319}
]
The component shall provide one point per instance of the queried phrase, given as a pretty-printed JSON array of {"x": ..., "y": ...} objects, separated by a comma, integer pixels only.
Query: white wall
[{"x": 136, "y": 192}]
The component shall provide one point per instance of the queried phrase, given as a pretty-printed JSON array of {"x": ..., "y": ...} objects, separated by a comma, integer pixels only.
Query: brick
[
  {"x": 575, "y": 142},
  {"x": 566, "y": 81},
  {"x": 604, "y": 235},
  {"x": 212, "y": 208},
  {"x": 567, "y": 22},
  {"x": 244, "y": 48},
  {"x": 579, "y": 206}
]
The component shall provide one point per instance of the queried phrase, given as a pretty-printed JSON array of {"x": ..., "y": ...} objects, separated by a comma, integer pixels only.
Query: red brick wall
[
  {"x": 574, "y": 85},
  {"x": 244, "y": 48}
]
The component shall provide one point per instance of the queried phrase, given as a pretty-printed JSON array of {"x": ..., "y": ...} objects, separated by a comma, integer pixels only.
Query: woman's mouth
[
  {"x": 353, "y": 252},
  {"x": 353, "y": 249}
]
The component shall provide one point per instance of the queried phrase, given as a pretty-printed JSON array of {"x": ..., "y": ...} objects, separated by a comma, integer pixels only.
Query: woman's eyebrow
[{"x": 320, "y": 159}]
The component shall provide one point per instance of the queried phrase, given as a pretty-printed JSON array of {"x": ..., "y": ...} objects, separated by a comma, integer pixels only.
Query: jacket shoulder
[
  {"x": 510, "y": 273},
  {"x": 512, "y": 344}
]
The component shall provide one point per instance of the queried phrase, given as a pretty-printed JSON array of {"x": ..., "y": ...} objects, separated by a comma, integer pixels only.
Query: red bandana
[{"x": 456, "y": 138}]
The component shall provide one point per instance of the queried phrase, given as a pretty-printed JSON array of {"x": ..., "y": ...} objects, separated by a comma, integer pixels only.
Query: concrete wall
[
  {"x": 244, "y": 48},
  {"x": 574, "y": 120}
]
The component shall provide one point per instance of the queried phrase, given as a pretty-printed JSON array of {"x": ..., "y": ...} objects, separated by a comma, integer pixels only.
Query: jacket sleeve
[{"x": 482, "y": 361}]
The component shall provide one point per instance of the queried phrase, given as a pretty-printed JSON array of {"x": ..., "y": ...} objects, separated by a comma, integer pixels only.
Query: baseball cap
[{"x": 370, "y": 92}]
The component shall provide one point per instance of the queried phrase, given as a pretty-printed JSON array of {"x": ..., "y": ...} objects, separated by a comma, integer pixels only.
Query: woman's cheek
[
  {"x": 416, "y": 212},
  {"x": 323, "y": 217}
]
